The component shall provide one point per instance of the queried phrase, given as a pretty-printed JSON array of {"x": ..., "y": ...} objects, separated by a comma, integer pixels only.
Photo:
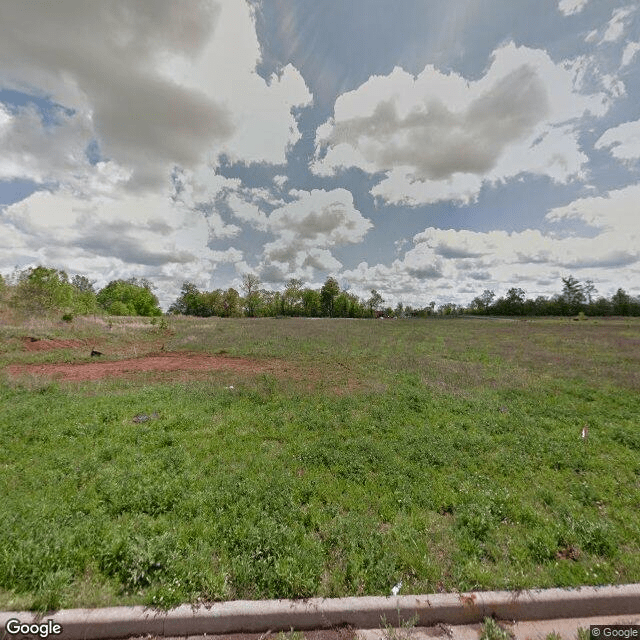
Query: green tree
[
  {"x": 342, "y": 305},
  {"x": 269, "y": 305},
  {"x": 356, "y": 307},
  {"x": 42, "y": 290},
  {"x": 449, "y": 309},
  {"x": 481, "y": 303},
  {"x": 374, "y": 302},
  {"x": 330, "y": 289},
  {"x": 589, "y": 289},
  {"x": 82, "y": 283},
  {"x": 515, "y": 301},
  {"x": 212, "y": 303},
  {"x": 602, "y": 307},
  {"x": 189, "y": 302},
  {"x": 84, "y": 297},
  {"x": 129, "y": 297},
  {"x": 231, "y": 303},
  {"x": 621, "y": 303},
  {"x": 292, "y": 297},
  {"x": 119, "y": 308},
  {"x": 311, "y": 303},
  {"x": 572, "y": 294},
  {"x": 250, "y": 284}
]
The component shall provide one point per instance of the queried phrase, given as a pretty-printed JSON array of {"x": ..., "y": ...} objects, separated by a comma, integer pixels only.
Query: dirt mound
[
  {"x": 37, "y": 344},
  {"x": 166, "y": 362}
]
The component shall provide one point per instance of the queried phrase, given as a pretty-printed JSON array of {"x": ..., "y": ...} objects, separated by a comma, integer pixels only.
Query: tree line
[
  {"x": 332, "y": 301},
  {"x": 574, "y": 298},
  {"x": 296, "y": 300},
  {"x": 42, "y": 291}
]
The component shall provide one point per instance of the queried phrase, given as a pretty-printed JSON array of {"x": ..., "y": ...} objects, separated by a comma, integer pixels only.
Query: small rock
[{"x": 143, "y": 417}]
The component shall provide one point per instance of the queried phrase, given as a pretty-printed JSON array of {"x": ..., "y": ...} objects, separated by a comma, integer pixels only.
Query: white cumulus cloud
[
  {"x": 531, "y": 259},
  {"x": 569, "y": 7},
  {"x": 629, "y": 53},
  {"x": 617, "y": 24},
  {"x": 438, "y": 136},
  {"x": 616, "y": 212},
  {"x": 156, "y": 83},
  {"x": 306, "y": 228},
  {"x": 107, "y": 237},
  {"x": 623, "y": 141}
]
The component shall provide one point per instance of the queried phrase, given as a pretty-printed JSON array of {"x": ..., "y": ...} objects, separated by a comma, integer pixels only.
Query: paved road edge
[{"x": 317, "y": 613}]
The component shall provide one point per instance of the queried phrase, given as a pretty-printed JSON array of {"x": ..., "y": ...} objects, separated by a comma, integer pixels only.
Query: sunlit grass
[{"x": 444, "y": 454}]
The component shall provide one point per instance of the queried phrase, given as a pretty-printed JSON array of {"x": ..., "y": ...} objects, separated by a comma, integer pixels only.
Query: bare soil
[
  {"x": 165, "y": 362},
  {"x": 37, "y": 344}
]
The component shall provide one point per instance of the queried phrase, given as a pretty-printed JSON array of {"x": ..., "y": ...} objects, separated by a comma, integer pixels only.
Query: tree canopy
[{"x": 131, "y": 297}]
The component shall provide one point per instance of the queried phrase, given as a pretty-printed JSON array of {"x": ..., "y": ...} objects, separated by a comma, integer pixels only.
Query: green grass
[
  {"x": 443, "y": 454},
  {"x": 491, "y": 630}
]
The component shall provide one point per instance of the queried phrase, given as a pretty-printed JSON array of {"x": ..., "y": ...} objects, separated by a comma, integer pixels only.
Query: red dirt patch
[
  {"x": 154, "y": 363},
  {"x": 35, "y": 344}
]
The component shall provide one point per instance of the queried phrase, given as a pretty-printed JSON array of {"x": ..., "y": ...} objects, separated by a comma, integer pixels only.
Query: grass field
[{"x": 446, "y": 454}]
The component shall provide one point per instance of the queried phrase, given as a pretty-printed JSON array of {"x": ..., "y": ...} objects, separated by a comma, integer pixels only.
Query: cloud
[
  {"x": 617, "y": 24},
  {"x": 108, "y": 238},
  {"x": 39, "y": 152},
  {"x": 282, "y": 260},
  {"x": 248, "y": 212},
  {"x": 616, "y": 212},
  {"x": 439, "y": 137},
  {"x": 623, "y": 141},
  {"x": 305, "y": 229},
  {"x": 629, "y": 53},
  {"x": 320, "y": 218},
  {"x": 156, "y": 84},
  {"x": 101, "y": 61},
  {"x": 202, "y": 187},
  {"x": 260, "y": 111},
  {"x": 530, "y": 259},
  {"x": 530, "y": 247},
  {"x": 263, "y": 195},
  {"x": 569, "y": 7},
  {"x": 228, "y": 255}
]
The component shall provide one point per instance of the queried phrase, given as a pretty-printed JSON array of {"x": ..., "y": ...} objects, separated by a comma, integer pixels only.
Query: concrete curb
[{"x": 323, "y": 613}]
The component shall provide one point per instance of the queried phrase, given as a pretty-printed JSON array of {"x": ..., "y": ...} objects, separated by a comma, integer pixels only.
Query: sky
[{"x": 428, "y": 150}]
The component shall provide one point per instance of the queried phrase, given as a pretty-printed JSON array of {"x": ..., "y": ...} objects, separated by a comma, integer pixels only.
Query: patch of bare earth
[
  {"x": 37, "y": 344},
  {"x": 166, "y": 362}
]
